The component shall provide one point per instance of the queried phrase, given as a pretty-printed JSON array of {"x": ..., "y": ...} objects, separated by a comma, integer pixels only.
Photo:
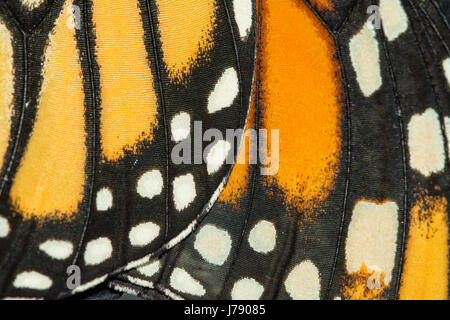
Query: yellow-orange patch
[
  {"x": 51, "y": 177},
  {"x": 128, "y": 99},
  {"x": 186, "y": 31},
  {"x": 425, "y": 273},
  {"x": 6, "y": 89}
]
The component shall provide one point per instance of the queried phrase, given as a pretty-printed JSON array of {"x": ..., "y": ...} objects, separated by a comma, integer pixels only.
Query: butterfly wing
[
  {"x": 365, "y": 233},
  {"x": 110, "y": 90}
]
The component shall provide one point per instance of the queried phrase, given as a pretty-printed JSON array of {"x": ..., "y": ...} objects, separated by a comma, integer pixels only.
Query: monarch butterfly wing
[
  {"x": 387, "y": 206},
  {"x": 91, "y": 182}
]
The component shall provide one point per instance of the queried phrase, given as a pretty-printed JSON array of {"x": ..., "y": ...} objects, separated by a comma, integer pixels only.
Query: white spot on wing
[
  {"x": 57, "y": 249},
  {"x": 150, "y": 184},
  {"x": 104, "y": 199},
  {"x": 97, "y": 251},
  {"x": 180, "y": 126},
  {"x": 446, "y": 67},
  {"x": 303, "y": 282},
  {"x": 32, "y": 280},
  {"x": 143, "y": 234},
  {"x": 243, "y": 12},
  {"x": 4, "y": 227},
  {"x": 225, "y": 91},
  {"x": 247, "y": 289},
  {"x": 183, "y": 191},
  {"x": 214, "y": 244},
  {"x": 217, "y": 155},
  {"x": 372, "y": 238},
  {"x": 426, "y": 143},
  {"x": 263, "y": 237},
  {"x": 149, "y": 269},
  {"x": 365, "y": 56},
  {"x": 395, "y": 21},
  {"x": 182, "y": 281}
]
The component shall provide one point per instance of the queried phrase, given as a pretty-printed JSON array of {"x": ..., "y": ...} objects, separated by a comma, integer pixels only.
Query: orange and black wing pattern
[
  {"x": 356, "y": 206},
  {"x": 95, "y": 96}
]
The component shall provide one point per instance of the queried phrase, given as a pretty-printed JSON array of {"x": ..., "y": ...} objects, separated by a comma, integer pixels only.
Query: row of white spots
[
  {"x": 364, "y": 48},
  {"x": 100, "y": 249},
  {"x": 426, "y": 143},
  {"x": 372, "y": 238},
  {"x": 214, "y": 243}
]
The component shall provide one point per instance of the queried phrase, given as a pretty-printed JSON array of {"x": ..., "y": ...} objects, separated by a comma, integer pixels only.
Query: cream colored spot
[
  {"x": 214, "y": 244},
  {"x": 149, "y": 269},
  {"x": 182, "y": 281},
  {"x": 247, "y": 289},
  {"x": 4, "y": 227},
  {"x": 365, "y": 56},
  {"x": 32, "y": 280},
  {"x": 426, "y": 144},
  {"x": 57, "y": 249},
  {"x": 98, "y": 251},
  {"x": 143, "y": 234},
  {"x": 395, "y": 21},
  {"x": 183, "y": 191},
  {"x": 263, "y": 236},
  {"x": 104, "y": 199},
  {"x": 180, "y": 126},
  {"x": 303, "y": 282},
  {"x": 217, "y": 156},
  {"x": 243, "y": 13},
  {"x": 372, "y": 238},
  {"x": 446, "y": 67},
  {"x": 225, "y": 91},
  {"x": 150, "y": 184}
]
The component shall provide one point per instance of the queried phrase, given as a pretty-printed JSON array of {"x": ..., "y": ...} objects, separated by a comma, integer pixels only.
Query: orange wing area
[
  {"x": 187, "y": 32},
  {"x": 51, "y": 177},
  {"x": 301, "y": 97},
  {"x": 6, "y": 89},
  {"x": 128, "y": 100},
  {"x": 425, "y": 273}
]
